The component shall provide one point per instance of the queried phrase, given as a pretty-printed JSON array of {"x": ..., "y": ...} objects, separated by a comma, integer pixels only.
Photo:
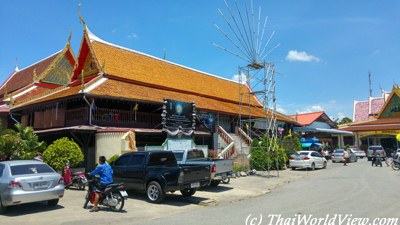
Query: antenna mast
[
  {"x": 257, "y": 101},
  {"x": 369, "y": 80}
]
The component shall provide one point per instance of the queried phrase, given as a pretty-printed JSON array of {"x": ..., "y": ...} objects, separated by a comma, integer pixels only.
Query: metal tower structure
[{"x": 256, "y": 82}]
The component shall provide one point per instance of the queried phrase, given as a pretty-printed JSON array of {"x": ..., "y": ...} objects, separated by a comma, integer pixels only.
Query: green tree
[
  {"x": 266, "y": 155},
  {"x": 345, "y": 120},
  {"x": 295, "y": 140},
  {"x": 20, "y": 143},
  {"x": 61, "y": 150}
]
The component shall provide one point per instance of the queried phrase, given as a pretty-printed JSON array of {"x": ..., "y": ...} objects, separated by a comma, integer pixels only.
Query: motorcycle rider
[
  {"x": 105, "y": 172},
  {"x": 375, "y": 156}
]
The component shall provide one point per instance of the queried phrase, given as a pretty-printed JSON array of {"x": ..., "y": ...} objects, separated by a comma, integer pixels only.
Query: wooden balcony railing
[{"x": 112, "y": 117}]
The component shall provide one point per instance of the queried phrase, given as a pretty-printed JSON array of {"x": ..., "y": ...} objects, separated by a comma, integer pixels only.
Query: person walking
[{"x": 345, "y": 157}]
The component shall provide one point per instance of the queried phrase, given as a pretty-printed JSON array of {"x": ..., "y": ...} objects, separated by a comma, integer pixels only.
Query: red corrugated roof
[{"x": 306, "y": 118}]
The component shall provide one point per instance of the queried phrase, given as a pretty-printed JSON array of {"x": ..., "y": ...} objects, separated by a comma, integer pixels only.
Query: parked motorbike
[
  {"x": 395, "y": 164},
  {"x": 78, "y": 180},
  {"x": 113, "y": 196},
  {"x": 376, "y": 160}
]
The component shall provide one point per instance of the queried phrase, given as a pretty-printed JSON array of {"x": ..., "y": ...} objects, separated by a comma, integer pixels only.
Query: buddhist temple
[
  {"x": 109, "y": 99},
  {"x": 382, "y": 124}
]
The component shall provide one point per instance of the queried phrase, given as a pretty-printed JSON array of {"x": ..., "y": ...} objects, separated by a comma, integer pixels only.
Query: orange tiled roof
[
  {"x": 124, "y": 90},
  {"x": 24, "y": 77},
  {"x": 35, "y": 93},
  {"x": 57, "y": 93},
  {"x": 141, "y": 68},
  {"x": 120, "y": 89}
]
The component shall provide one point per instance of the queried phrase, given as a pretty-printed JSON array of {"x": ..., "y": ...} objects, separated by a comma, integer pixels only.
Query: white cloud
[
  {"x": 237, "y": 76},
  {"x": 294, "y": 55},
  {"x": 114, "y": 31},
  {"x": 340, "y": 116},
  {"x": 313, "y": 108},
  {"x": 132, "y": 36},
  {"x": 282, "y": 110},
  {"x": 332, "y": 102}
]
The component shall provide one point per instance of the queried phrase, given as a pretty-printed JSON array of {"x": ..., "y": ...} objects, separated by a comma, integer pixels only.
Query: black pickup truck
[{"x": 157, "y": 172}]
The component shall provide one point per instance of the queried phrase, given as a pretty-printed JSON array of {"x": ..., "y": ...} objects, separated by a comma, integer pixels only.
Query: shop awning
[
  {"x": 333, "y": 131},
  {"x": 307, "y": 145},
  {"x": 321, "y": 130}
]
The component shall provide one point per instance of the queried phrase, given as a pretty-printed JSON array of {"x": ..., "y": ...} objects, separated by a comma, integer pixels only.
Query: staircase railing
[
  {"x": 229, "y": 150},
  {"x": 246, "y": 138}
]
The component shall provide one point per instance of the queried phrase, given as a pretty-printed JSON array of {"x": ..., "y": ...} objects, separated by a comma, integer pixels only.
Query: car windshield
[
  {"x": 31, "y": 169},
  {"x": 178, "y": 156},
  {"x": 195, "y": 155},
  {"x": 302, "y": 153},
  {"x": 375, "y": 148},
  {"x": 338, "y": 151},
  {"x": 162, "y": 159}
]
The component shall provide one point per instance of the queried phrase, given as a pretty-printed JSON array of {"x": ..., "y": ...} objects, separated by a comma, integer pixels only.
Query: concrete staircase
[{"x": 242, "y": 151}]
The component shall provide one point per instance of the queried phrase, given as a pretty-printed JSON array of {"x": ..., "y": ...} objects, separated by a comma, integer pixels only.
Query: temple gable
[{"x": 60, "y": 72}]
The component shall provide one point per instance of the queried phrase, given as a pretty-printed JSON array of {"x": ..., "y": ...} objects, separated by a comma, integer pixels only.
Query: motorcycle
[
  {"x": 376, "y": 160},
  {"x": 78, "y": 180},
  {"x": 113, "y": 196}
]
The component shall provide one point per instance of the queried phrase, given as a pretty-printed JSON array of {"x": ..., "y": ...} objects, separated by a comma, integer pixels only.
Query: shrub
[
  {"x": 61, "y": 150},
  {"x": 265, "y": 155},
  {"x": 20, "y": 143}
]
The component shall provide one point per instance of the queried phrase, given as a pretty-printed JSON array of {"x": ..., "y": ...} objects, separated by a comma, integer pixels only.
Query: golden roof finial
[
  {"x": 79, "y": 14},
  {"x": 35, "y": 77},
  {"x": 69, "y": 38}
]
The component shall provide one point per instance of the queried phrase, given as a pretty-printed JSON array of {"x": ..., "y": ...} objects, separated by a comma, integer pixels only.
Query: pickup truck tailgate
[
  {"x": 223, "y": 166},
  {"x": 196, "y": 173}
]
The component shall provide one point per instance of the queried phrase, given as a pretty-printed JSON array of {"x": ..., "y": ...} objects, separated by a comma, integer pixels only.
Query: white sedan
[
  {"x": 359, "y": 153},
  {"x": 307, "y": 159}
]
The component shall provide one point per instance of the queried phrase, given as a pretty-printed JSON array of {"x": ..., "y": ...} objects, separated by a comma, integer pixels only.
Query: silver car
[
  {"x": 337, "y": 156},
  {"x": 25, "y": 181}
]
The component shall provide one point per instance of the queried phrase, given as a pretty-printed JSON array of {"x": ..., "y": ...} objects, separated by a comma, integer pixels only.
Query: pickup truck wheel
[
  {"x": 155, "y": 194},
  {"x": 188, "y": 191},
  {"x": 214, "y": 183}
]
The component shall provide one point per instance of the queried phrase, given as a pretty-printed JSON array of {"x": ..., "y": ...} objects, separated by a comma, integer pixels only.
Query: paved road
[
  {"x": 357, "y": 190},
  {"x": 137, "y": 209},
  {"x": 335, "y": 190}
]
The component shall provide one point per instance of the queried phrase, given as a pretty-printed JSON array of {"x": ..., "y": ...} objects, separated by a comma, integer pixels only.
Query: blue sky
[{"x": 326, "y": 47}]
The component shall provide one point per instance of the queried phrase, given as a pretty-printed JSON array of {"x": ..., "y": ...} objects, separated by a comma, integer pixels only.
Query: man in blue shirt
[{"x": 105, "y": 172}]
